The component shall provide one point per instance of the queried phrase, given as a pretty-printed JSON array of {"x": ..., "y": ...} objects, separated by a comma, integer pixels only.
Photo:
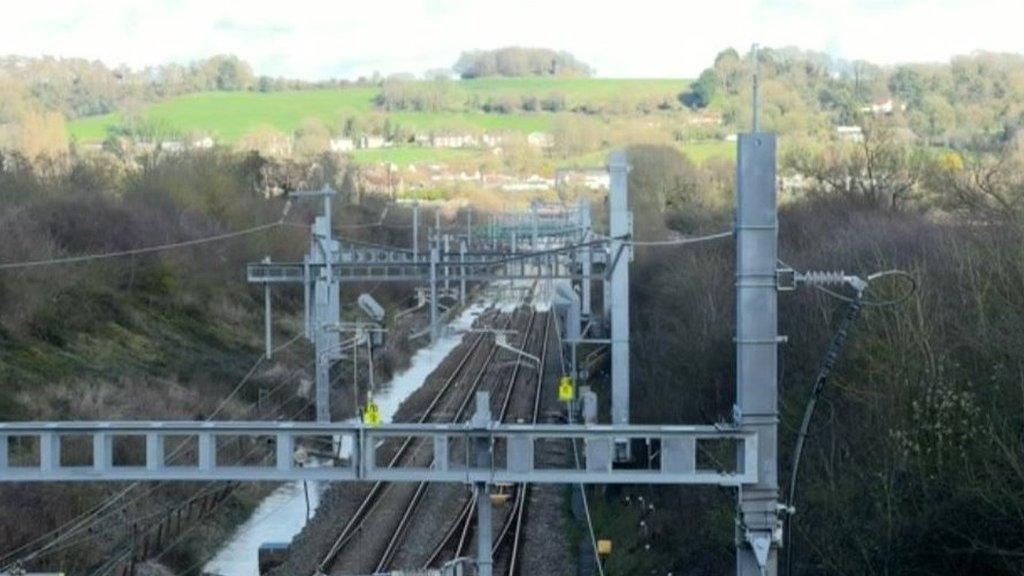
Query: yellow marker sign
[
  {"x": 371, "y": 416},
  {"x": 604, "y": 547},
  {"x": 566, "y": 392}
]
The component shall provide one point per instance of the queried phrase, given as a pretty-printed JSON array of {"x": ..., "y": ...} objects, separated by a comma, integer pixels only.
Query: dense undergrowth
[{"x": 163, "y": 335}]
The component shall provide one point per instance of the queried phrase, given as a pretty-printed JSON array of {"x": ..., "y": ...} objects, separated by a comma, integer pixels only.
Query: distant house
[
  {"x": 850, "y": 133},
  {"x": 493, "y": 140},
  {"x": 706, "y": 118},
  {"x": 204, "y": 143},
  {"x": 339, "y": 145},
  {"x": 540, "y": 140},
  {"x": 172, "y": 146},
  {"x": 591, "y": 179},
  {"x": 884, "y": 107},
  {"x": 453, "y": 141},
  {"x": 533, "y": 183},
  {"x": 372, "y": 142},
  {"x": 445, "y": 176}
]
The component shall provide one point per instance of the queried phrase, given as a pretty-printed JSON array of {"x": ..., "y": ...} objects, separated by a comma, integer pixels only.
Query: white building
[
  {"x": 453, "y": 141},
  {"x": 372, "y": 142},
  {"x": 887, "y": 106},
  {"x": 493, "y": 140},
  {"x": 850, "y": 133},
  {"x": 540, "y": 140},
  {"x": 589, "y": 179},
  {"x": 204, "y": 143},
  {"x": 531, "y": 184},
  {"x": 339, "y": 145},
  {"x": 172, "y": 146}
]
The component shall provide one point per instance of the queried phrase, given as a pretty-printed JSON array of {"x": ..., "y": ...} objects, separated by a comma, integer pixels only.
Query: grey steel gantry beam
[
  {"x": 759, "y": 528},
  {"x": 677, "y": 463}
]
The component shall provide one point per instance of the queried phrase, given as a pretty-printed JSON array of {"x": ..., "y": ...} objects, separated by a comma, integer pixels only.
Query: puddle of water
[
  {"x": 277, "y": 519},
  {"x": 282, "y": 514}
]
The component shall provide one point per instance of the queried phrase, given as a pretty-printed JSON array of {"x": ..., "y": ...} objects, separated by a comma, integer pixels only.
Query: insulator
[{"x": 822, "y": 277}]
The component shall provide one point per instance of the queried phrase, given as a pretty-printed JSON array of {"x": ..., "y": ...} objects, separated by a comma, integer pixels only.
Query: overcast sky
[{"x": 347, "y": 38}]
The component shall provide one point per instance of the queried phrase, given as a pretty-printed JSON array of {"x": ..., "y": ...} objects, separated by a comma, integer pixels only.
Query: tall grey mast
[
  {"x": 757, "y": 340},
  {"x": 619, "y": 254},
  {"x": 326, "y": 301}
]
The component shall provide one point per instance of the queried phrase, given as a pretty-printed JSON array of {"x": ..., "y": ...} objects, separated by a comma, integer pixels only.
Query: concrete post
[
  {"x": 757, "y": 348},
  {"x": 469, "y": 227},
  {"x": 618, "y": 208}
]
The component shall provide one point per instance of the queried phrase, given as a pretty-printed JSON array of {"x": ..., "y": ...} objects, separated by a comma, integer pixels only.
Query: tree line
[
  {"x": 972, "y": 100},
  {"x": 515, "y": 61}
]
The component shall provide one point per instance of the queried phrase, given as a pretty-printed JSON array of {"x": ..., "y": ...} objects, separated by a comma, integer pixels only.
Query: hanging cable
[
  {"x": 100, "y": 513},
  {"x": 853, "y": 309},
  {"x": 137, "y": 251},
  {"x": 671, "y": 242},
  {"x": 576, "y": 456},
  {"x": 835, "y": 348}
]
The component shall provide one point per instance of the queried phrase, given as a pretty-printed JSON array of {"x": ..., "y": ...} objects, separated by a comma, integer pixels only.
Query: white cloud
[{"x": 315, "y": 39}]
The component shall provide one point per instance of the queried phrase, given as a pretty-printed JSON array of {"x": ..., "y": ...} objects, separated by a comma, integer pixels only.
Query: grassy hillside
[{"x": 229, "y": 115}]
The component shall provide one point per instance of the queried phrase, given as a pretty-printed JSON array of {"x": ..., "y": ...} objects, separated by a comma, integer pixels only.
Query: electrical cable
[
  {"x": 211, "y": 487},
  {"x": 855, "y": 304},
  {"x": 576, "y": 456},
  {"x": 137, "y": 251},
  {"x": 673, "y": 242},
  {"x": 84, "y": 521},
  {"x": 896, "y": 273},
  {"x": 879, "y": 303},
  {"x": 853, "y": 311}
]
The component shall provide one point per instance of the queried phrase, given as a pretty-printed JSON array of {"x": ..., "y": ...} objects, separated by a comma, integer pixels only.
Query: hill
[{"x": 229, "y": 115}]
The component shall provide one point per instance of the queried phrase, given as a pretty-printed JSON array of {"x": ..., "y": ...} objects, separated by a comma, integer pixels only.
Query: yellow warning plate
[
  {"x": 566, "y": 392},
  {"x": 371, "y": 416}
]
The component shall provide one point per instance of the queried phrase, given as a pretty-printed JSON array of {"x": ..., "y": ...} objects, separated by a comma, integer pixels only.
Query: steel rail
[
  {"x": 354, "y": 524},
  {"x": 514, "y": 521},
  {"x": 410, "y": 511},
  {"x": 464, "y": 520}
]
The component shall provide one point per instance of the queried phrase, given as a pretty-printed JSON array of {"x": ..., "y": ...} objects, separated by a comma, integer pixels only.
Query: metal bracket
[{"x": 761, "y": 544}]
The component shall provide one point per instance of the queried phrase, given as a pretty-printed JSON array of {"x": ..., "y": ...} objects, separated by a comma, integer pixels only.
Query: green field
[
  {"x": 577, "y": 91},
  {"x": 229, "y": 115}
]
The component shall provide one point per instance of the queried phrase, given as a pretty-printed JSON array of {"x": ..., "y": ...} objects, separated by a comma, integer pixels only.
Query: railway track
[
  {"x": 508, "y": 543},
  {"x": 372, "y": 519}
]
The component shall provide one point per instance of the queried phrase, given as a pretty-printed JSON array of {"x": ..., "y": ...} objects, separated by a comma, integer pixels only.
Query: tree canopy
[{"x": 516, "y": 61}]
